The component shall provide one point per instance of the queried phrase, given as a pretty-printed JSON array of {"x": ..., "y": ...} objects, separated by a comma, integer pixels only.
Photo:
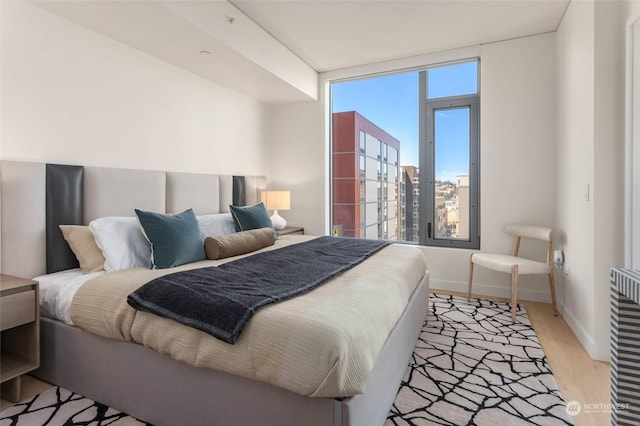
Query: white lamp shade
[{"x": 276, "y": 200}]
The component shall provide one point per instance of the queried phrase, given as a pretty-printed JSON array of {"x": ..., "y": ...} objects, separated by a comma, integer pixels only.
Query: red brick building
[{"x": 365, "y": 178}]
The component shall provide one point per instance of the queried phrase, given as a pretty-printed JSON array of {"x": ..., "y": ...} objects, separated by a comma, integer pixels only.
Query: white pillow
[
  {"x": 213, "y": 225},
  {"x": 122, "y": 243}
]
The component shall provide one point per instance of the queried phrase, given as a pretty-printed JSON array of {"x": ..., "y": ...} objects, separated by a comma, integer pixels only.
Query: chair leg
[
  {"x": 514, "y": 292},
  {"x": 552, "y": 286},
  {"x": 470, "y": 277}
]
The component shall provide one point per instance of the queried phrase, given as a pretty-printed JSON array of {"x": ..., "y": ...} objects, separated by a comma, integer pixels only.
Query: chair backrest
[
  {"x": 529, "y": 231},
  {"x": 533, "y": 232}
]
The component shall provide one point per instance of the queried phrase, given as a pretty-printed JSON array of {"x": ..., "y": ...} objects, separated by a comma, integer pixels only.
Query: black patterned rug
[
  {"x": 473, "y": 366},
  {"x": 60, "y": 407}
]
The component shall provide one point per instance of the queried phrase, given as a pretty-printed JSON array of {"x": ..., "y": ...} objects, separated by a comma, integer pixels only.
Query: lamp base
[{"x": 278, "y": 221}]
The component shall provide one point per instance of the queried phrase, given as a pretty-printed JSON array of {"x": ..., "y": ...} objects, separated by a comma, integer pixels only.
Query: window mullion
[{"x": 424, "y": 161}]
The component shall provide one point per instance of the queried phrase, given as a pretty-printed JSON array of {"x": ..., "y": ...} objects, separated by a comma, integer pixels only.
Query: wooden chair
[{"x": 516, "y": 265}]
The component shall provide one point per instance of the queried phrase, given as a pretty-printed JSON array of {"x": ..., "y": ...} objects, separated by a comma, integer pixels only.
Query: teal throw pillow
[
  {"x": 250, "y": 217},
  {"x": 175, "y": 239}
]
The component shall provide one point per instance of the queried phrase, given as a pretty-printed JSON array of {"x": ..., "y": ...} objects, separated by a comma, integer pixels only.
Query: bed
[{"x": 141, "y": 381}]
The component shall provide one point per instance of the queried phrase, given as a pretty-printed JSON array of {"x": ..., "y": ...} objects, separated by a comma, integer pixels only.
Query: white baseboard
[
  {"x": 599, "y": 352},
  {"x": 480, "y": 289}
]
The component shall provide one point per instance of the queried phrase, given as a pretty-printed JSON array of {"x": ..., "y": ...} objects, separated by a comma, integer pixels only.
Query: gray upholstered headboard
[{"x": 36, "y": 197}]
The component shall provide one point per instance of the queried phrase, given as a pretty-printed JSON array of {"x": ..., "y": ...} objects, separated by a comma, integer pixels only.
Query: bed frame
[{"x": 130, "y": 377}]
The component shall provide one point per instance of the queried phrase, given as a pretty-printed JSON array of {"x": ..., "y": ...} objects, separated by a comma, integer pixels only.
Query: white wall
[
  {"x": 517, "y": 166},
  {"x": 609, "y": 144},
  {"x": 70, "y": 95},
  {"x": 575, "y": 160},
  {"x": 631, "y": 9},
  {"x": 590, "y": 146},
  {"x": 297, "y": 162},
  {"x": 517, "y": 153}
]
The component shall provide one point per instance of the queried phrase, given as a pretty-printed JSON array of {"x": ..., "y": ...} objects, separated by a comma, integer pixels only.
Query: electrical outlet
[{"x": 587, "y": 192}]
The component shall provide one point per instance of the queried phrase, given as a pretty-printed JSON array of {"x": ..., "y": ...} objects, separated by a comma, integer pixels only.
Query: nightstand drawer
[{"x": 17, "y": 309}]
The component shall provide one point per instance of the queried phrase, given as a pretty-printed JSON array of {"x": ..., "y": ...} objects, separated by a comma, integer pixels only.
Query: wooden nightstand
[
  {"x": 20, "y": 333},
  {"x": 290, "y": 230}
]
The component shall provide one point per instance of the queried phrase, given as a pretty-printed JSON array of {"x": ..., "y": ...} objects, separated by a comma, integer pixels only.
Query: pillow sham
[
  {"x": 212, "y": 225},
  {"x": 83, "y": 245},
  {"x": 175, "y": 239},
  {"x": 251, "y": 217},
  {"x": 122, "y": 243},
  {"x": 238, "y": 243}
]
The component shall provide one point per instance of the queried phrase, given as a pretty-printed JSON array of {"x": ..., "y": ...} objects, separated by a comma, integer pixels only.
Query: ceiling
[
  {"x": 330, "y": 35},
  {"x": 273, "y": 50}
]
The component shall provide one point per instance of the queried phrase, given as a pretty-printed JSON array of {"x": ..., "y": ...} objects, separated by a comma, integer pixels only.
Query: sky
[{"x": 391, "y": 102}]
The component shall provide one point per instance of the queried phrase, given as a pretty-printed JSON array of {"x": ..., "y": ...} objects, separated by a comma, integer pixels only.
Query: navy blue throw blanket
[{"x": 221, "y": 300}]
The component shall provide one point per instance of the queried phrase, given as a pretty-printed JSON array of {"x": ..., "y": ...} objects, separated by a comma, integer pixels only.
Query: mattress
[
  {"x": 56, "y": 292},
  {"x": 321, "y": 344}
]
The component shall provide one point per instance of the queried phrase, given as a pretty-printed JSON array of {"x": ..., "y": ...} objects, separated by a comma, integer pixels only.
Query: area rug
[
  {"x": 473, "y": 366},
  {"x": 60, "y": 407}
]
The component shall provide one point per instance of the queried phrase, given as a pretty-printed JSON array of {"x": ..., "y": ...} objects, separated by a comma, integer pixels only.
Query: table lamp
[{"x": 276, "y": 200}]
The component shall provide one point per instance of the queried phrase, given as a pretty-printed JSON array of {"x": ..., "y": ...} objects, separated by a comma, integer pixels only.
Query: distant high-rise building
[
  {"x": 410, "y": 203},
  {"x": 462, "y": 195},
  {"x": 365, "y": 178}
]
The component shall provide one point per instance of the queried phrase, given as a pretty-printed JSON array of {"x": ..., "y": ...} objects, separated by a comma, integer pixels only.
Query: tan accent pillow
[
  {"x": 222, "y": 246},
  {"x": 84, "y": 246}
]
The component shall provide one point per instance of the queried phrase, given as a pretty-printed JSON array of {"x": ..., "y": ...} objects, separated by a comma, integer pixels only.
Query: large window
[{"x": 405, "y": 151}]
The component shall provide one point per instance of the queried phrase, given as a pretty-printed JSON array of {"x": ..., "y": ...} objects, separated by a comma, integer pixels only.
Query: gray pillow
[{"x": 222, "y": 246}]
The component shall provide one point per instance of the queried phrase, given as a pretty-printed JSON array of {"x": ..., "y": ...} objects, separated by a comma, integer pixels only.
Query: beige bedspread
[{"x": 321, "y": 344}]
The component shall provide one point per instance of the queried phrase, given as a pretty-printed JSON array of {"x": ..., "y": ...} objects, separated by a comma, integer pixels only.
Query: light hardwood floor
[{"x": 579, "y": 378}]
